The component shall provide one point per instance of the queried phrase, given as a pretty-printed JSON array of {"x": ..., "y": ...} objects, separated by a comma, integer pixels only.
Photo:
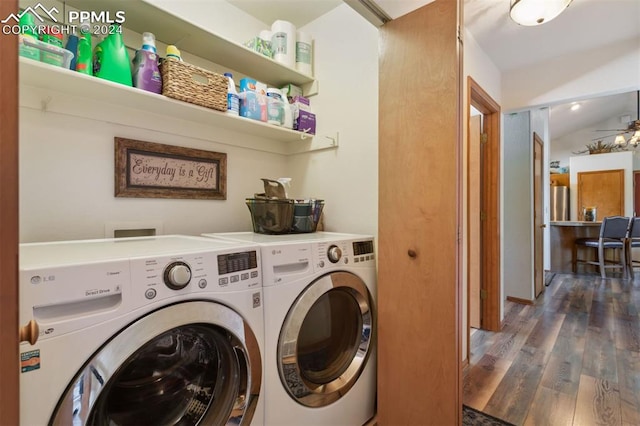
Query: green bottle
[
  {"x": 84, "y": 62},
  {"x": 111, "y": 60},
  {"x": 28, "y": 39}
]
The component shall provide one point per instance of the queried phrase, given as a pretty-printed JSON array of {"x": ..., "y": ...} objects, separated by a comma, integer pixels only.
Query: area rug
[{"x": 473, "y": 417}]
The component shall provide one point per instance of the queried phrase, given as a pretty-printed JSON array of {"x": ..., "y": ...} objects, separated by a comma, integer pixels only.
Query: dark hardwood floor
[{"x": 572, "y": 358}]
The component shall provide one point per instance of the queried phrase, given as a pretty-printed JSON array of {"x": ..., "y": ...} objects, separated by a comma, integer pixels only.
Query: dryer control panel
[{"x": 336, "y": 254}]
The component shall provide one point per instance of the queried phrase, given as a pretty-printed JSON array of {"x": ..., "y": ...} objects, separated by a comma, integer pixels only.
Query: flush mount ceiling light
[{"x": 535, "y": 12}]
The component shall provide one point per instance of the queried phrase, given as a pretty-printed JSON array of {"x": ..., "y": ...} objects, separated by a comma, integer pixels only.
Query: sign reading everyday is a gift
[{"x": 152, "y": 170}]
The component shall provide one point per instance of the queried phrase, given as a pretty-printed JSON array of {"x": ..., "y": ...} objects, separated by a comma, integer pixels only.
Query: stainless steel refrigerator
[{"x": 559, "y": 203}]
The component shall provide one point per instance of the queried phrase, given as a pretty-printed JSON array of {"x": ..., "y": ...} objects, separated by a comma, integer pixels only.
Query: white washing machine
[
  {"x": 152, "y": 330},
  {"x": 319, "y": 297}
]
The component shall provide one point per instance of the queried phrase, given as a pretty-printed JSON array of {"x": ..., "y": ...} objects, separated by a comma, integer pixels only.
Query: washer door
[
  {"x": 186, "y": 364},
  {"x": 325, "y": 340}
]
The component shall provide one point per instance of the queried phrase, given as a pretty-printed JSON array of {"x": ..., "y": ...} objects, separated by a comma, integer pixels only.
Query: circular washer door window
[
  {"x": 325, "y": 340},
  {"x": 186, "y": 364}
]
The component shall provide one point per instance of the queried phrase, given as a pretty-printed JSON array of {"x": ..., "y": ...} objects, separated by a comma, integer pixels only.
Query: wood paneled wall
[
  {"x": 9, "y": 380},
  {"x": 419, "y": 183}
]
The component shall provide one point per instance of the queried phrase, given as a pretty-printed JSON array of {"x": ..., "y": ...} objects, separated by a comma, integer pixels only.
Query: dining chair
[{"x": 614, "y": 233}]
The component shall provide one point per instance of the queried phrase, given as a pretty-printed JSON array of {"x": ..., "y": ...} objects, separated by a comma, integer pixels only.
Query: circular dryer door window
[
  {"x": 186, "y": 364},
  {"x": 325, "y": 340}
]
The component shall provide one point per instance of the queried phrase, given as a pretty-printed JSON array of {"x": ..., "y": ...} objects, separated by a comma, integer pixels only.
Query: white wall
[
  {"x": 67, "y": 181},
  {"x": 518, "y": 206},
  {"x": 606, "y": 70},
  {"x": 589, "y": 163},
  {"x": 346, "y": 64},
  {"x": 66, "y": 161}
]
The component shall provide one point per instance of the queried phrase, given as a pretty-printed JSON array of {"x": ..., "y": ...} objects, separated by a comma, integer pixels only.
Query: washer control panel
[{"x": 161, "y": 277}]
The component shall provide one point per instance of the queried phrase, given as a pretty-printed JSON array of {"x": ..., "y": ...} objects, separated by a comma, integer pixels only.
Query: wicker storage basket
[{"x": 193, "y": 84}]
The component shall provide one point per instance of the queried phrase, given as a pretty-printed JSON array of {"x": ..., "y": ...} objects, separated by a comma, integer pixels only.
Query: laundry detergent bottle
[
  {"x": 84, "y": 63},
  {"x": 111, "y": 60},
  {"x": 146, "y": 73}
]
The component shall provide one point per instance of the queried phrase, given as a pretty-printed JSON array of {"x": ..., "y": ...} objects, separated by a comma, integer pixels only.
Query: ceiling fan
[{"x": 633, "y": 126}]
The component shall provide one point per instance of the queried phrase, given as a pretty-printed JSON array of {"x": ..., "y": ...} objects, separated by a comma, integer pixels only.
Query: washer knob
[
  {"x": 334, "y": 254},
  {"x": 177, "y": 275}
]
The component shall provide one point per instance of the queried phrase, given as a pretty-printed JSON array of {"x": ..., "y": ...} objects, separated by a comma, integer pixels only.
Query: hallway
[{"x": 572, "y": 358}]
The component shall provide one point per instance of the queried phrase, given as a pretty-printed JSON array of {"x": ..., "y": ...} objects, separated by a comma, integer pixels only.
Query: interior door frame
[
  {"x": 538, "y": 258},
  {"x": 491, "y": 261},
  {"x": 9, "y": 385}
]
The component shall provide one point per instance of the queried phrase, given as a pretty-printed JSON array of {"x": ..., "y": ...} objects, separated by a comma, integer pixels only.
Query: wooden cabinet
[
  {"x": 559, "y": 179},
  {"x": 602, "y": 189}
]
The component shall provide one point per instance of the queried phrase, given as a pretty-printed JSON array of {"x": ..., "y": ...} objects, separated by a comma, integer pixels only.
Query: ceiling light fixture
[
  {"x": 632, "y": 142},
  {"x": 575, "y": 107},
  {"x": 535, "y": 12}
]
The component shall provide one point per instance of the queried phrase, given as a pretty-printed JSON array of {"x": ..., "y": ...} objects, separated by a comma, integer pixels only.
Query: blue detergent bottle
[{"x": 146, "y": 73}]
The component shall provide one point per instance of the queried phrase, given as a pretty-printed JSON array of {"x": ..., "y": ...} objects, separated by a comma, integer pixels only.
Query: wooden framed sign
[{"x": 153, "y": 170}]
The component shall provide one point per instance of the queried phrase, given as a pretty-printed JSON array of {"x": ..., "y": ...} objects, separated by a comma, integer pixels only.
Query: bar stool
[
  {"x": 614, "y": 232},
  {"x": 633, "y": 241}
]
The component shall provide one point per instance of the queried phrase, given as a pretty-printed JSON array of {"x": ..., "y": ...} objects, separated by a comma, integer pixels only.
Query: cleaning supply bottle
[
  {"x": 53, "y": 37},
  {"x": 111, "y": 60},
  {"x": 72, "y": 46},
  {"x": 173, "y": 53},
  {"x": 28, "y": 39},
  {"x": 146, "y": 74},
  {"x": 233, "y": 101},
  {"x": 84, "y": 61}
]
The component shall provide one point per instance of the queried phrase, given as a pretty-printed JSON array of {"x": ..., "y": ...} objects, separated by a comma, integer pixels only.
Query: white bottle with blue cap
[{"x": 233, "y": 101}]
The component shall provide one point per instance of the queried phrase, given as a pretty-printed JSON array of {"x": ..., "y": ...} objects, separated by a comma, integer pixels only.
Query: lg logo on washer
[{"x": 37, "y": 279}]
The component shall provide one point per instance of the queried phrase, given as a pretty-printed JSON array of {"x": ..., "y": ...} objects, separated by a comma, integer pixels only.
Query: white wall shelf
[
  {"x": 170, "y": 29},
  {"x": 68, "y": 92}
]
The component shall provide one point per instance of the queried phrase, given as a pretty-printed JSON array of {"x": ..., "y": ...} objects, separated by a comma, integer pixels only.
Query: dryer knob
[
  {"x": 334, "y": 254},
  {"x": 177, "y": 275}
]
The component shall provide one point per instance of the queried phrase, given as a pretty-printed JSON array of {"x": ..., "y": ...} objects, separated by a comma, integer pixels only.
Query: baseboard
[{"x": 520, "y": 301}]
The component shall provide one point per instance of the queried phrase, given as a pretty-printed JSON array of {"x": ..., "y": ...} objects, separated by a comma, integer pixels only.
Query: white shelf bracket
[
  {"x": 335, "y": 140},
  {"x": 319, "y": 144}
]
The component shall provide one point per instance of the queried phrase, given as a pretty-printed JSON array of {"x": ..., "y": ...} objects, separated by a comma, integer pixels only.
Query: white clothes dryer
[
  {"x": 151, "y": 330},
  {"x": 319, "y": 306}
]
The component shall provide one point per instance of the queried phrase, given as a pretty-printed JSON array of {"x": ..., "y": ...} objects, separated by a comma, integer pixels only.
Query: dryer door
[
  {"x": 186, "y": 364},
  {"x": 326, "y": 339}
]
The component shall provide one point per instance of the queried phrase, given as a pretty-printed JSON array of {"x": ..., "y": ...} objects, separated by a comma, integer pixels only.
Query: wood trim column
[
  {"x": 419, "y": 313},
  {"x": 491, "y": 260},
  {"x": 9, "y": 382}
]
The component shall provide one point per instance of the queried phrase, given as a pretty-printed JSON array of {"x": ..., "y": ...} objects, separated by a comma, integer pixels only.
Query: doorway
[{"x": 483, "y": 210}]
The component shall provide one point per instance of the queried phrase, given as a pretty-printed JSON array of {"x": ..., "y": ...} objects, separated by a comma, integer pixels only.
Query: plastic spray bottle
[
  {"x": 146, "y": 74},
  {"x": 233, "y": 101}
]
